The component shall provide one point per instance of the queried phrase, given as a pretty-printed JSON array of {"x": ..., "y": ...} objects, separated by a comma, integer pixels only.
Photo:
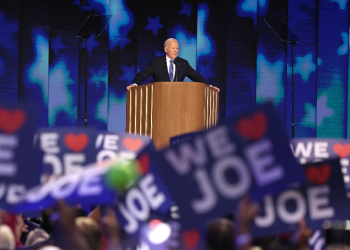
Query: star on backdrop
[
  {"x": 129, "y": 73},
  {"x": 186, "y": 9},
  {"x": 120, "y": 24},
  {"x": 63, "y": 97},
  {"x": 269, "y": 79},
  {"x": 304, "y": 66},
  {"x": 154, "y": 25},
  {"x": 56, "y": 44},
  {"x": 342, "y": 3},
  {"x": 343, "y": 49},
  {"x": 322, "y": 110},
  {"x": 99, "y": 76},
  {"x": 310, "y": 116}
]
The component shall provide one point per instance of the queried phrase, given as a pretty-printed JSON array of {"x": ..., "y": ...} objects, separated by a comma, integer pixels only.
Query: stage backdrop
[{"x": 42, "y": 62}]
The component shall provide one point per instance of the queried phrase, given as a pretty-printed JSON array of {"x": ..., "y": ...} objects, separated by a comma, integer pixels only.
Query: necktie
[{"x": 171, "y": 70}]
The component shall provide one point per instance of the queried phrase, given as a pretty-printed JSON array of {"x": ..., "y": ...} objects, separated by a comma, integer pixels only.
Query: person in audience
[
  {"x": 91, "y": 232},
  {"x": 7, "y": 238},
  {"x": 223, "y": 234},
  {"x": 36, "y": 236}
]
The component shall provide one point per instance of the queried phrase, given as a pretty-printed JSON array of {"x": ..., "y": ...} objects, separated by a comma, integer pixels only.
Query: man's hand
[
  {"x": 216, "y": 88},
  {"x": 131, "y": 86}
]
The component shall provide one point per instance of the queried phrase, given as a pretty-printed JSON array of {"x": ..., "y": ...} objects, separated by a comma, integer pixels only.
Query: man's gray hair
[{"x": 168, "y": 41}]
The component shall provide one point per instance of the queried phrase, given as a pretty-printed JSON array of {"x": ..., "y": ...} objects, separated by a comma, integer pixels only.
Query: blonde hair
[
  {"x": 7, "y": 239},
  {"x": 90, "y": 231},
  {"x": 35, "y": 236}
]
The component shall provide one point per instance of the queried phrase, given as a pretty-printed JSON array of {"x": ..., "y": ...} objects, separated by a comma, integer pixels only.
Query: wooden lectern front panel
[
  {"x": 162, "y": 110},
  {"x": 139, "y": 116}
]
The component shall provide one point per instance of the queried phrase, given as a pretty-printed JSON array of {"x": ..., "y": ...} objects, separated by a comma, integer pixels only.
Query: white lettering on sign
[
  {"x": 291, "y": 216},
  {"x": 316, "y": 202},
  {"x": 219, "y": 142},
  {"x": 305, "y": 150},
  {"x": 48, "y": 143},
  {"x": 262, "y": 162},
  {"x": 209, "y": 199},
  {"x": 8, "y": 144},
  {"x": 73, "y": 162},
  {"x": 139, "y": 201},
  {"x": 188, "y": 154},
  {"x": 87, "y": 183},
  {"x": 231, "y": 190},
  {"x": 151, "y": 191},
  {"x": 12, "y": 193},
  {"x": 110, "y": 142},
  {"x": 318, "y": 198}
]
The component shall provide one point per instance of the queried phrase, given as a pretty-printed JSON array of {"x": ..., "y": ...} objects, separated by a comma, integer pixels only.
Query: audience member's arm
[
  {"x": 20, "y": 226},
  {"x": 95, "y": 214},
  {"x": 111, "y": 229},
  {"x": 302, "y": 235},
  {"x": 244, "y": 217},
  {"x": 67, "y": 220}
]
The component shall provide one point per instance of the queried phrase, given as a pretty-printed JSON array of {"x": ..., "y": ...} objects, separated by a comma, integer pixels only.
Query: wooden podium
[{"x": 162, "y": 110}]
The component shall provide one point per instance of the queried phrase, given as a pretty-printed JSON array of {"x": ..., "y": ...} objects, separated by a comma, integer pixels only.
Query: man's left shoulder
[{"x": 181, "y": 60}]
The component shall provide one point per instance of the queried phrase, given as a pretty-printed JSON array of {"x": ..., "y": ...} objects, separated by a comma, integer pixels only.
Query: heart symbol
[
  {"x": 318, "y": 175},
  {"x": 342, "y": 150},
  {"x": 76, "y": 143},
  {"x": 11, "y": 121},
  {"x": 190, "y": 239},
  {"x": 143, "y": 164},
  {"x": 132, "y": 144},
  {"x": 252, "y": 128}
]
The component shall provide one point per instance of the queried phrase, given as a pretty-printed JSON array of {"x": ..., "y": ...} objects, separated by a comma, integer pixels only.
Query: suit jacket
[{"x": 158, "y": 69}]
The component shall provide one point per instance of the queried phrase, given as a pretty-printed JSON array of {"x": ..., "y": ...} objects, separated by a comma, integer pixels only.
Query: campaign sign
[
  {"x": 311, "y": 150},
  {"x": 321, "y": 197},
  {"x": 85, "y": 187},
  {"x": 65, "y": 151},
  {"x": 119, "y": 145},
  {"x": 148, "y": 199},
  {"x": 209, "y": 174},
  {"x": 17, "y": 169}
]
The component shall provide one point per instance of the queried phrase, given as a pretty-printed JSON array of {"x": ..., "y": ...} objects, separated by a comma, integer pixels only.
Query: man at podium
[{"x": 169, "y": 68}]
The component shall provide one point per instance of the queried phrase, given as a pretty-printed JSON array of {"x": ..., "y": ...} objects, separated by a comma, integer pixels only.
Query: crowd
[{"x": 68, "y": 227}]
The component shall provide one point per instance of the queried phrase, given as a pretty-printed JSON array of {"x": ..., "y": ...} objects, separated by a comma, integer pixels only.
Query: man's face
[{"x": 172, "y": 50}]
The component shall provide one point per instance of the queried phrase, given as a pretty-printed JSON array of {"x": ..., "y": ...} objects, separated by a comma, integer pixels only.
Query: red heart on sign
[
  {"x": 342, "y": 151},
  {"x": 318, "y": 175},
  {"x": 143, "y": 164},
  {"x": 132, "y": 144},
  {"x": 252, "y": 128},
  {"x": 190, "y": 239},
  {"x": 11, "y": 121},
  {"x": 76, "y": 143}
]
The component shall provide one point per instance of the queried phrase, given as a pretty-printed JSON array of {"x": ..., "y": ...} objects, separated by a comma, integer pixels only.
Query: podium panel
[{"x": 162, "y": 110}]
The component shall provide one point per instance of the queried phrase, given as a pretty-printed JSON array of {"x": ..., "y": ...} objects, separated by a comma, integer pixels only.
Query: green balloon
[{"x": 122, "y": 176}]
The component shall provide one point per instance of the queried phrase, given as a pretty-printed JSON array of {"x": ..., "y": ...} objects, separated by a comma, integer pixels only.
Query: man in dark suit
[{"x": 169, "y": 68}]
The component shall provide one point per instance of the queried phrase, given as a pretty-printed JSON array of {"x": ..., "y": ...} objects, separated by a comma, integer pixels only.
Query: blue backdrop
[{"x": 42, "y": 62}]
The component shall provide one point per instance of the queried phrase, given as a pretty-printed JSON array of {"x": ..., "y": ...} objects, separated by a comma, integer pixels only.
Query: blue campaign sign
[
  {"x": 147, "y": 199},
  {"x": 119, "y": 144},
  {"x": 209, "y": 174},
  {"x": 321, "y": 197},
  {"x": 65, "y": 150},
  {"x": 17, "y": 169},
  {"x": 86, "y": 187},
  {"x": 310, "y": 150}
]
